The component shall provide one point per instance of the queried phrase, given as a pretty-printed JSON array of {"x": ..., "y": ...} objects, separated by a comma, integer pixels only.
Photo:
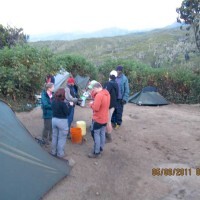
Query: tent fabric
[
  {"x": 149, "y": 89},
  {"x": 148, "y": 96},
  {"x": 27, "y": 171},
  {"x": 82, "y": 81},
  {"x": 60, "y": 80}
]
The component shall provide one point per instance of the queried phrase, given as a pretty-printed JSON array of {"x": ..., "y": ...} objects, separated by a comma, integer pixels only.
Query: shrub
[
  {"x": 76, "y": 65},
  {"x": 178, "y": 85},
  {"x": 23, "y": 70}
]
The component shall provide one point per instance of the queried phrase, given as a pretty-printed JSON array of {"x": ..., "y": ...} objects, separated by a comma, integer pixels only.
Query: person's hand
[
  {"x": 71, "y": 103},
  {"x": 88, "y": 104},
  {"x": 91, "y": 102}
]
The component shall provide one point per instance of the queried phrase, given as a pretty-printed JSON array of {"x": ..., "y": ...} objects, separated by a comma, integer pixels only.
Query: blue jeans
[
  {"x": 70, "y": 117},
  {"x": 117, "y": 114},
  {"x": 59, "y": 136},
  {"x": 98, "y": 137}
]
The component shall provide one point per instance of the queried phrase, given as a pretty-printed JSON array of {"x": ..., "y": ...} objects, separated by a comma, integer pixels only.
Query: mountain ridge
[{"x": 107, "y": 32}]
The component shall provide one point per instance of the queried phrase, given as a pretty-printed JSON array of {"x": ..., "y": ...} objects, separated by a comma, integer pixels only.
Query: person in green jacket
[{"x": 47, "y": 95}]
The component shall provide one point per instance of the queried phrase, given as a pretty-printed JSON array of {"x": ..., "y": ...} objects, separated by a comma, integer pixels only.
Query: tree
[
  {"x": 189, "y": 14},
  {"x": 11, "y": 36}
]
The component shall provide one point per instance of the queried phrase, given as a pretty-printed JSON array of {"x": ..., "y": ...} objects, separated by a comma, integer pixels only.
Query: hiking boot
[
  {"x": 108, "y": 138},
  {"x": 94, "y": 155},
  {"x": 101, "y": 150},
  {"x": 40, "y": 141},
  {"x": 46, "y": 141},
  {"x": 117, "y": 126}
]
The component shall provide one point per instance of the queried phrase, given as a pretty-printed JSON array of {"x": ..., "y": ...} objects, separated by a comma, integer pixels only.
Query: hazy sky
[{"x": 52, "y": 16}]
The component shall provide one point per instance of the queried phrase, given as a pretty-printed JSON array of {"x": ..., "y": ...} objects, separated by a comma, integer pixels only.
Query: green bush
[
  {"x": 176, "y": 85},
  {"x": 23, "y": 70},
  {"x": 76, "y": 65}
]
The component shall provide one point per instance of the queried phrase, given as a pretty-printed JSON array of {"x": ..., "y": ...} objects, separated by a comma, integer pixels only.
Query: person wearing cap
[
  {"x": 122, "y": 98},
  {"x": 71, "y": 95},
  {"x": 100, "y": 107},
  {"x": 91, "y": 84},
  {"x": 112, "y": 88},
  {"x": 46, "y": 99}
]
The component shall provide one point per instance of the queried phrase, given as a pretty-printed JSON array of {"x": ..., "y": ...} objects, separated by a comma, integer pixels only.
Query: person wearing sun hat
[
  {"x": 122, "y": 99},
  {"x": 112, "y": 88}
]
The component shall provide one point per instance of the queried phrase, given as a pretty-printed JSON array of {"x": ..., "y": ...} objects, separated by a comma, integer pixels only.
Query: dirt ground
[{"x": 165, "y": 137}]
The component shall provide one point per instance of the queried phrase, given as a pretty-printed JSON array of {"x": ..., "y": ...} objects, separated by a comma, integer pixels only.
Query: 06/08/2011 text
[{"x": 175, "y": 171}]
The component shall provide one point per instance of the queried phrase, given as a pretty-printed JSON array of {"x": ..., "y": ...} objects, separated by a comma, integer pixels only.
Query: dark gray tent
[
  {"x": 61, "y": 79},
  {"x": 82, "y": 81},
  {"x": 27, "y": 171},
  {"x": 149, "y": 96}
]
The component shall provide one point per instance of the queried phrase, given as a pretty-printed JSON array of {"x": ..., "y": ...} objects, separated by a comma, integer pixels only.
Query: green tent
[
  {"x": 27, "y": 171},
  {"x": 149, "y": 96}
]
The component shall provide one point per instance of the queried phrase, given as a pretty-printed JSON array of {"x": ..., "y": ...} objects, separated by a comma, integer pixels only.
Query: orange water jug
[
  {"x": 76, "y": 135},
  {"x": 82, "y": 125}
]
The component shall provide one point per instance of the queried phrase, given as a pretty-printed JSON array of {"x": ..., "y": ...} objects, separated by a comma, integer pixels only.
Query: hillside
[{"x": 161, "y": 47}]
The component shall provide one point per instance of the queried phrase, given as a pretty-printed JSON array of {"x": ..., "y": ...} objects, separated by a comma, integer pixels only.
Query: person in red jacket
[{"x": 100, "y": 107}]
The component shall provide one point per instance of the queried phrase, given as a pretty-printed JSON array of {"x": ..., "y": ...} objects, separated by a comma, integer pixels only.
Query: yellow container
[{"x": 82, "y": 125}]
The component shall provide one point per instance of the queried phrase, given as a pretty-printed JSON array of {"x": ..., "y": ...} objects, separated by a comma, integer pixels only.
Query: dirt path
[{"x": 150, "y": 137}]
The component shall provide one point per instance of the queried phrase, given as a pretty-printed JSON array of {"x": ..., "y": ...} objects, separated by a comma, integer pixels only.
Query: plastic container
[
  {"x": 83, "y": 103},
  {"x": 82, "y": 125},
  {"x": 76, "y": 135}
]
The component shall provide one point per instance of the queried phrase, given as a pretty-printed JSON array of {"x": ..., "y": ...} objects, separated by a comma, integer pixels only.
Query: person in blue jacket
[{"x": 122, "y": 99}]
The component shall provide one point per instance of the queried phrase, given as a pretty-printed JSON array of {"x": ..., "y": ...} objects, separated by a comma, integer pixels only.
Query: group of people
[{"x": 107, "y": 105}]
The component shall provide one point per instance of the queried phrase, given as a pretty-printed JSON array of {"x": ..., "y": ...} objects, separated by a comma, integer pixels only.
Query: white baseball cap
[{"x": 114, "y": 73}]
